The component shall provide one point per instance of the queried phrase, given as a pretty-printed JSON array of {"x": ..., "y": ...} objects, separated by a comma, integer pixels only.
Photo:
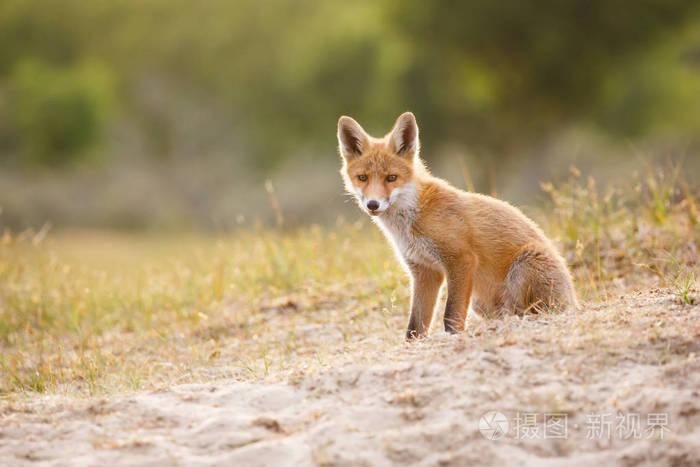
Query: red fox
[{"x": 493, "y": 258}]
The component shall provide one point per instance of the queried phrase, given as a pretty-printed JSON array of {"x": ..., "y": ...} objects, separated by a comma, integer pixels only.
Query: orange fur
[{"x": 487, "y": 252}]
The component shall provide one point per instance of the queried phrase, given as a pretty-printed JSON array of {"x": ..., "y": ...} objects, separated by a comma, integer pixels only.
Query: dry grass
[
  {"x": 101, "y": 312},
  {"x": 646, "y": 225},
  {"x": 97, "y": 311}
]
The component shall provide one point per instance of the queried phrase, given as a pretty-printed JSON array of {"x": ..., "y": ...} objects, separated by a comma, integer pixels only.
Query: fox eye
[
  {"x": 391, "y": 178},
  {"x": 362, "y": 178}
]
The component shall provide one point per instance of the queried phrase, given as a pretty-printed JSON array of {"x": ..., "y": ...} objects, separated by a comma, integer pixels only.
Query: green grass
[{"x": 95, "y": 312}]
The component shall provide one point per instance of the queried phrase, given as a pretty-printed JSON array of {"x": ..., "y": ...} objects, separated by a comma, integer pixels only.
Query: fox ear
[
  {"x": 352, "y": 139},
  {"x": 404, "y": 135}
]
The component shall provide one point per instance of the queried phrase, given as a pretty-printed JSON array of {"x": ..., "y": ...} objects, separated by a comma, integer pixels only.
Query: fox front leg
[
  {"x": 425, "y": 288},
  {"x": 460, "y": 279}
]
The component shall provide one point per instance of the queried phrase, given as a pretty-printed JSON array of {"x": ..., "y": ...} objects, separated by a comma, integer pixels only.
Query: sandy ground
[{"x": 634, "y": 358}]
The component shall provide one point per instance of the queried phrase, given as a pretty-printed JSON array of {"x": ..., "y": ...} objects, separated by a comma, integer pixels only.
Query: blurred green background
[{"x": 167, "y": 114}]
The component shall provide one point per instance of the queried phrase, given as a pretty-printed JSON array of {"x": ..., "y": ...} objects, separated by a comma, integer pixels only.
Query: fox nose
[{"x": 372, "y": 205}]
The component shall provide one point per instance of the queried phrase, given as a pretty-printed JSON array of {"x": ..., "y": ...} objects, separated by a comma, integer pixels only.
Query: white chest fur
[{"x": 397, "y": 225}]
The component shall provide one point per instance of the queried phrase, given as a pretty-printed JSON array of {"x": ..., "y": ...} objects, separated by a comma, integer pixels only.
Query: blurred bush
[
  {"x": 59, "y": 113},
  {"x": 499, "y": 76}
]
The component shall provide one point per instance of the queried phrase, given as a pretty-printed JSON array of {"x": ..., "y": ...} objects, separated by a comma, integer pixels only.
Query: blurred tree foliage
[
  {"x": 497, "y": 75},
  {"x": 508, "y": 72},
  {"x": 59, "y": 113}
]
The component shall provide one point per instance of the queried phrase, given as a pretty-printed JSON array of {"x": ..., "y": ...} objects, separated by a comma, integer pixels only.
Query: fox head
[{"x": 379, "y": 172}]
